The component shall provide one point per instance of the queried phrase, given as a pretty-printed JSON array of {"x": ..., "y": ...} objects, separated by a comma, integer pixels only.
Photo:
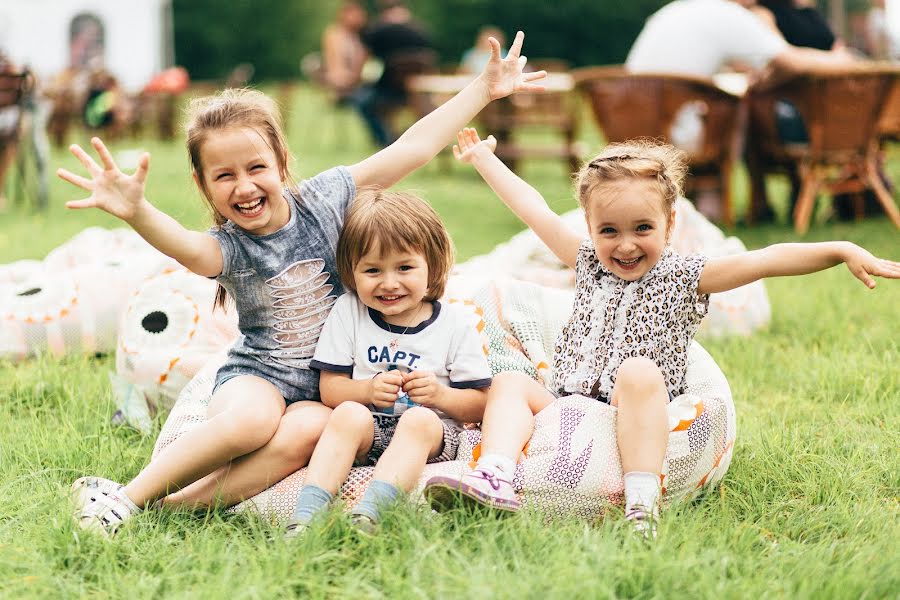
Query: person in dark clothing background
[
  {"x": 800, "y": 22},
  {"x": 404, "y": 47}
]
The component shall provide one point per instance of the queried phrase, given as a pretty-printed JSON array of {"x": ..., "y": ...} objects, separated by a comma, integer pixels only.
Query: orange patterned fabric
[{"x": 572, "y": 465}]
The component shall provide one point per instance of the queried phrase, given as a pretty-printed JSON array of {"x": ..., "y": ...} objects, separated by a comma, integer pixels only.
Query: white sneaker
[
  {"x": 105, "y": 512},
  {"x": 481, "y": 485},
  {"x": 85, "y": 488}
]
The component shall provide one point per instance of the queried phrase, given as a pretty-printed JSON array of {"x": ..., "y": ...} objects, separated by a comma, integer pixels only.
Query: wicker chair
[
  {"x": 630, "y": 105},
  {"x": 889, "y": 123},
  {"x": 841, "y": 112}
]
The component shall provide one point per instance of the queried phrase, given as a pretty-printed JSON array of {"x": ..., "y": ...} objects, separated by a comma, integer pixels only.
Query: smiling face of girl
[
  {"x": 242, "y": 178},
  {"x": 629, "y": 224}
]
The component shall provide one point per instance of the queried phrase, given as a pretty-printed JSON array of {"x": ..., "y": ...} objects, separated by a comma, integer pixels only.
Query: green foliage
[
  {"x": 211, "y": 36},
  {"x": 584, "y": 33}
]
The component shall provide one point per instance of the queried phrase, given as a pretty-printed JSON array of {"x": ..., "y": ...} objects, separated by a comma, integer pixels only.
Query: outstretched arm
[
  {"x": 521, "y": 198},
  {"x": 122, "y": 196},
  {"x": 421, "y": 142},
  {"x": 729, "y": 272}
]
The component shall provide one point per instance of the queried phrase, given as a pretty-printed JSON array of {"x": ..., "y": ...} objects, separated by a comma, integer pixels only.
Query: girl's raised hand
[
  {"x": 504, "y": 76},
  {"x": 111, "y": 190},
  {"x": 863, "y": 264},
  {"x": 469, "y": 146}
]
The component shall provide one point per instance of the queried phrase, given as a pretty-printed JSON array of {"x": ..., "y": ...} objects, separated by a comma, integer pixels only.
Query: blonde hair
[
  {"x": 391, "y": 221},
  {"x": 640, "y": 159},
  {"x": 229, "y": 109}
]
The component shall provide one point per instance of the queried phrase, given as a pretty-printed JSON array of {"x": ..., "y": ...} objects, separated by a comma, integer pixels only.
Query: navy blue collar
[{"x": 379, "y": 320}]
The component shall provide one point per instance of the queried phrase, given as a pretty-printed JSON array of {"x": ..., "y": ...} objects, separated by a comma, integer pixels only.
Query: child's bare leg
[
  {"x": 243, "y": 416},
  {"x": 642, "y": 429},
  {"x": 642, "y": 425},
  {"x": 513, "y": 400},
  {"x": 347, "y": 436},
  {"x": 419, "y": 436},
  {"x": 288, "y": 450}
]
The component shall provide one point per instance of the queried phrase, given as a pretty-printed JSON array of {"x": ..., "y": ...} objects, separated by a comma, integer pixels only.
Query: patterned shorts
[{"x": 386, "y": 426}]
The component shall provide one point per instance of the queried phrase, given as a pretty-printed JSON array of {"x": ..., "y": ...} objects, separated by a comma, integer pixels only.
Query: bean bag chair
[
  {"x": 737, "y": 312},
  {"x": 571, "y": 465},
  {"x": 167, "y": 332},
  {"x": 71, "y": 301}
]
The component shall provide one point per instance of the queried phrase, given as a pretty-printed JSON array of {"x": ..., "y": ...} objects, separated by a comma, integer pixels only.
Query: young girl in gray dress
[
  {"x": 272, "y": 251},
  {"x": 637, "y": 307}
]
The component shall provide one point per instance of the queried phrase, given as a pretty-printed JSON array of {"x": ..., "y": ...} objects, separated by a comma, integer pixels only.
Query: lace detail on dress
[{"x": 303, "y": 301}]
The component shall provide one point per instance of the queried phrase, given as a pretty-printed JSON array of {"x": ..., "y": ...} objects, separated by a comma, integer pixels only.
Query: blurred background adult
[
  {"x": 800, "y": 23},
  {"x": 343, "y": 52},
  {"x": 476, "y": 58},
  {"x": 882, "y": 37},
  {"x": 704, "y": 37},
  {"x": 405, "y": 48}
]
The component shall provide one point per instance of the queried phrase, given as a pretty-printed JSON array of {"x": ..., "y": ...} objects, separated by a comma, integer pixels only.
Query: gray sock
[
  {"x": 311, "y": 501},
  {"x": 378, "y": 495}
]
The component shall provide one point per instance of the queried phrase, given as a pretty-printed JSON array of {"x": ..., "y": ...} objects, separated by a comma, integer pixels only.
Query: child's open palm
[
  {"x": 504, "y": 76},
  {"x": 469, "y": 146},
  {"x": 863, "y": 264},
  {"x": 111, "y": 190}
]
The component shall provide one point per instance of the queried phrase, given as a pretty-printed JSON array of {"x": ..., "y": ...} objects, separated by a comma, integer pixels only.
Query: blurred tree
[
  {"x": 212, "y": 36},
  {"x": 583, "y": 33}
]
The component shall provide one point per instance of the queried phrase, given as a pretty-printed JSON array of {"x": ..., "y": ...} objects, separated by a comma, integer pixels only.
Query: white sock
[
  {"x": 641, "y": 488},
  {"x": 498, "y": 462}
]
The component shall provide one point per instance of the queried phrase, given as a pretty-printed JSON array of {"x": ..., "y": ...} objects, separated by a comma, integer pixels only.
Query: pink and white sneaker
[
  {"x": 480, "y": 486},
  {"x": 644, "y": 521}
]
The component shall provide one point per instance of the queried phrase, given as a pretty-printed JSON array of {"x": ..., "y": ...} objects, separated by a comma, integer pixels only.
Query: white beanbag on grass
[
  {"x": 571, "y": 465},
  {"x": 71, "y": 301},
  {"x": 168, "y": 331}
]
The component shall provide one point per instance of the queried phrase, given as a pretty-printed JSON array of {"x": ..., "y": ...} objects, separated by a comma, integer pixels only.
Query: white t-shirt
[
  {"x": 698, "y": 37},
  {"x": 356, "y": 340}
]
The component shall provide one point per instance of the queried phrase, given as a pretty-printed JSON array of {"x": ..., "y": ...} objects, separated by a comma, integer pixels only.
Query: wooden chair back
[
  {"x": 843, "y": 113},
  {"x": 630, "y": 105},
  {"x": 889, "y": 123},
  {"x": 840, "y": 110}
]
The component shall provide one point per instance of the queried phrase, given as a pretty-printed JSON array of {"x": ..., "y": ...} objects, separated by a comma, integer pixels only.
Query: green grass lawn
[{"x": 808, "y": 509}]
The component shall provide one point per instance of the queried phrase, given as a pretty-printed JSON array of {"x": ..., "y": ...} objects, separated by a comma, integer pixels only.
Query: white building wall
[{"x": 36, "y": 33}]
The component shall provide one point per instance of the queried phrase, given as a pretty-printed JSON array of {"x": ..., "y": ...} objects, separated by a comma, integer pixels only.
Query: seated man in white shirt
[{"x": 701, "y": 37}]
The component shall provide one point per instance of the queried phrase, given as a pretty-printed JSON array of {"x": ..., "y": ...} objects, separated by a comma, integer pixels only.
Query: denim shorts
[{"x": 241, "y": 364}]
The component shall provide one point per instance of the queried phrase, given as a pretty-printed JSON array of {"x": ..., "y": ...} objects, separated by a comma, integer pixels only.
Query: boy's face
[
  {"x": 629, "y": 228},
  {"x": 394, "y": 283}
]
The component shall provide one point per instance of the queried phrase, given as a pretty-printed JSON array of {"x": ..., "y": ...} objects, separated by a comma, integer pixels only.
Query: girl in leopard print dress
[{"x": 637, "y": 307}]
